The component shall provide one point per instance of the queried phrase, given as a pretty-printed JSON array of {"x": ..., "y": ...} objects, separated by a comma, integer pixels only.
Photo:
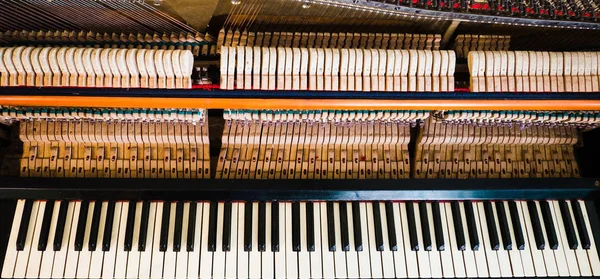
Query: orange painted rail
[{"x": 257, "y": 103}]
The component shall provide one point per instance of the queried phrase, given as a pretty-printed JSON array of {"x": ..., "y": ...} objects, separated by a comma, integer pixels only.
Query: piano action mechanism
[{"x": 299, "y": 139}]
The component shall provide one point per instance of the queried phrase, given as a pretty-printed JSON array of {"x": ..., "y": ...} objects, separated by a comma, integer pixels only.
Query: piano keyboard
[
  {"x": 152, "y": 239},
  {"x": 95, "y": 67},
  {"x": 332, "y": 69},
  {"x": 533, "y": 71}
]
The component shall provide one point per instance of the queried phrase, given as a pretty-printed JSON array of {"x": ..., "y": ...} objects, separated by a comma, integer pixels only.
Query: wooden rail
[{"x": 296, "y": 103}]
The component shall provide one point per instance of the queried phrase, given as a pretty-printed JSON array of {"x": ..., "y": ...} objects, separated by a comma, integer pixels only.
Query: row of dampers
[
  {"x": 198, "y": 44},
  {"x": 332, "y": 69},
  {"x": 236, "y": 38},
  {"x": 534, "y": 71},
  {"x": 95, "y": 67}
]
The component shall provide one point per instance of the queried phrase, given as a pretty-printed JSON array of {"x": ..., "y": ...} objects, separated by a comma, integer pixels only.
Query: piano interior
[{"x": 299, "y": 138}]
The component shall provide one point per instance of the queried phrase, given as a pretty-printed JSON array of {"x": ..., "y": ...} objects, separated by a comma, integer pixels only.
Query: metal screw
[{"x": 597, "y": 183}]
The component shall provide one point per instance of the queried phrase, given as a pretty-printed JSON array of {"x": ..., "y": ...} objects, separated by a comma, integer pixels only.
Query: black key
[
  {"x": 437, "y": 226},
  {"x": 247, "y": 227},
  {"x": 378, "y": 229},
  {"x": 81, "y": 223},
  {"x": 227, "y": 227},
  {"x": 43, "y": 241},
  {"x": 503, "y": 222},
  {"x": 491, "y": 225},
  {"x": 262, "y": 236},
  {"x": 584, "y": 238},
  {"x": 459, "y": 231},
  {"x": 540, "y": 242},
  {"x": 568, "y": 225},
  {"x": 60, "y": 225},
  {"x": 344, "y": 227},
  {"x": 549, "y": 225},
  {"x": 129, "y": 228},
  {"x": 24, "y": 225},
  {"x": 412, "y": 227},
  {"x": 425, "y": 226},
  {"x": 191, "y": 227},
  {"x": 164, "y": 230},
  {"x": 275, "y": 227},
  {"x": 516, "y": 222},
  {"x": 108, "y": 226},
  {"x": 144, "y": 226},
  {"x": 296, "y": 227},
  {"x": 212, "y": 226},
  {"x": 391, "y": 225},
  {"x": 471, "y": 226},
  {"x": 310, "y": 227},
  {"x": 357, "y": 226},
  {"x": 178, "y": 227},
  {"x": 330, "y": 227}
]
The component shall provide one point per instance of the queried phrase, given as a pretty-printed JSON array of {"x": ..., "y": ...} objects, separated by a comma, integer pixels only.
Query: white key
[
  {"x": 434, "y": 254},
  {"x": 468, "y": 255},
  {"x": 48, "y": 255},
  {"x": 254, "y": 265},
  {"x": 157, "y": 256},
  {"x": 580, "y": 253},
  {"x": 480, "y": 259},
  {"x": 291, "y": 257},
  {"x": 316, "y": 268},
  {"x": 231, "y": 256},
  {"x": 98, "y": 255},
  {"x": 364, "y": 261},
  {"x": 537, "y": 256},
  {"x": 328, "y": 262},
  {"x": 182, "y": 255},
  {"x": 280, "y": 262},
  {"x": 60, "y": 257},
  {"x": 268, "y": 257},
  {"x": 412, "y": 266},
  {"x": 170, "y": 256},
  {"x": 23, "y": 256},
  {"x": 121, "y": 259},
  {"x": 563, "y": 243},
  {"x": 242, "y": 259},
  {"x": 133, "y": 260},
  {"x": 110, "y": 256},
  {"x": 85, "y": 255},
  {"x": 351, "y": 255},
  {"x": 492, "y": 256},
  {"x": 399, "y": 259},
  {"x": 548, "y": 253},
  {"x": 339, "y": 255},
  {"x": 146, "y": 255},
  {"x": 376, "y": 265},
  {"x": 218, "y": 269},
  {"x": 503, "y": 258},
  {"x": 526, "y": 256},
  {"x": 72, "y": 255},
  {"x": 387, "y": 257},
  {"x": 593, "y": 251},
  {"x": 446, "y": 255},
  {"x": 303, "y": 255},
  {"x": 35, "y": 256},
  {"x": 422, "y": 256},
  {"x": 10, "y": 258},
  {"x": 514, "y": 253},
  {"x": 194, "y": 255},
  {"x": 206, "y": 256}
]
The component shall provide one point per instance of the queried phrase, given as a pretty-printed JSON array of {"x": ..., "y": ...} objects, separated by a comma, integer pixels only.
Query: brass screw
[{"x": 597, "y": 183}]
